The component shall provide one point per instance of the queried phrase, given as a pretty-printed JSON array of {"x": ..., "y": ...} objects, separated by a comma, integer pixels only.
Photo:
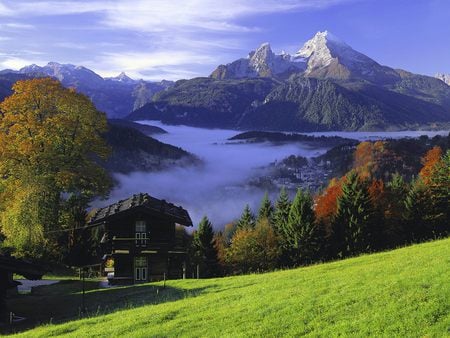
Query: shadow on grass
[{"x": 62, "y": 302}]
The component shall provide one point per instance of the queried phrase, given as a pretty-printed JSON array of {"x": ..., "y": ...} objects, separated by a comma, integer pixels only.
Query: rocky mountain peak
[
  {"x": 322, "y": 49},
  {"x": 443, "y": 77},
  {"x": 123, "y": 77},
  {"x": 320, "y": 44}
]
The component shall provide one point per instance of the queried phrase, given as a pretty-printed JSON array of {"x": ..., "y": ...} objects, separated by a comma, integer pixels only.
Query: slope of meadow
[{"x": 405, "y": 292}]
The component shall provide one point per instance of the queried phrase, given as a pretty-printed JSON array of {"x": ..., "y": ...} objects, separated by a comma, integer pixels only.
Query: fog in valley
[{"x": 218, "y": 188}]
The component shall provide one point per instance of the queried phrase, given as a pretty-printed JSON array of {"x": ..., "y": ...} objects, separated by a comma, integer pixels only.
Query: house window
[
  {"x": 141, "y": 233},
  {"x": 140, "y": 269}
]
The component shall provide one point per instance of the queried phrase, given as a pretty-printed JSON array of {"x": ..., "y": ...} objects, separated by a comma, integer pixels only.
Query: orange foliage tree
[
  {"x": 369, "y": 158},
  {"x": 429, "y": 162},
  {"x": 326, "y": 203},
  {"x": 50, "y": 138},
  {"x": 254, "y": 249}
]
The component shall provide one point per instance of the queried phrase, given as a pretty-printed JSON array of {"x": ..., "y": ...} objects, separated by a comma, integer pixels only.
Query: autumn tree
[
  {"x": 374, "y": 160},
  {"x": 429, "y": 161},
  {"x": 254, "y": 249},
  {"x": 204, "y": 250},
  {"x": 228, "y": 232},
  {"x": 364, "y": 159},
  {"x": 50, "y": 141},
  {"x": 326, "y": 203}
]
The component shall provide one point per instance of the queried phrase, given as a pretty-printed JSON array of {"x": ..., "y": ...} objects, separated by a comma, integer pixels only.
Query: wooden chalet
[{"x": 140, "y": 241}]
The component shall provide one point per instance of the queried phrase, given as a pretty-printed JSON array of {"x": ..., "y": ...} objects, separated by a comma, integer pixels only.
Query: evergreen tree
[
  {"x": 281, "y": 213},
  {"x": 439, "y": 187},
  {"x": 300, "y": 235},
  {"x": 416, "y": 203},
  {"x": 266, "y": 209},
  {"x": 247, "y": 220},
  {"x": 396, "y": 190},
  {"x": 204, "y": 251},
  {"x": 354, "y": 220}
]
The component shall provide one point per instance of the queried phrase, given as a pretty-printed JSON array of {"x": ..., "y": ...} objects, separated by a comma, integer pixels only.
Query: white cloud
[
  {"x": 70, "y": 45},
  {"x": 170, "y": 65},
  {"x": 5, "y": 11},
  {"x": 16, "y": 25},
  {"x": 17, "y": 62},
  {"x": 171, "y": 37},
  {"x": 162, "y": 15},
  {"x": 50, "y": 8},
  {"x": 158, "y": 15},
  {"x": 134, "y": 61}
]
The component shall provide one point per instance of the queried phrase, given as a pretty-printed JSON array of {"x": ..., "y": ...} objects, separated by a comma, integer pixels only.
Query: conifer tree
[
  {"x": 300, "y": 235},
  {"x": 266, "y": 209},
  {"x": 439, "y": 188},
  {"x": 281, "y": 212},
  {"x": 354, "y": 220},
  {"x": 416, "y": 203},
  {"x": 247, "y": 220},
  {"x": 396, "y": 190},
  {"x": 204, "y": 251}
]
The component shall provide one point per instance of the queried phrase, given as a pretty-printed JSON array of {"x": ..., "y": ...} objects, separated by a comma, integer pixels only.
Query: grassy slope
[{"x": 405, "y": 292}]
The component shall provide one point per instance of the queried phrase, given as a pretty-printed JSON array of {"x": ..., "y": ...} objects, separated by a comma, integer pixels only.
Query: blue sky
[{"x": 172, "y": 39}]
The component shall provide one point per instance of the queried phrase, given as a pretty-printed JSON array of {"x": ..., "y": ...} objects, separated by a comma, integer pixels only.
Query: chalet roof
[
  {"x": 21, "y": 267},
  {"x": 143, "y": 200}
]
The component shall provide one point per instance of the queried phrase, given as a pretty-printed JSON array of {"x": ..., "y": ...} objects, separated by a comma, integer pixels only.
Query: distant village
[{"x": 296, "y": 172}]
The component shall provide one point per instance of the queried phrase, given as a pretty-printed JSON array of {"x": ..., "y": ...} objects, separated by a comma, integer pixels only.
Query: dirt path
[{"x": 28, "y": 284}]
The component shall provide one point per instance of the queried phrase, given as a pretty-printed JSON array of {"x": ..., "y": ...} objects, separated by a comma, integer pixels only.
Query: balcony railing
[{"x": 139, "y": 244}]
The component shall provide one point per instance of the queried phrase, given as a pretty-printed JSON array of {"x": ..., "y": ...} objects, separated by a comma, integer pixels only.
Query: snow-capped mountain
[
  {"x": 262, "y": 62},
  {"x": 443, "y": 77},
  {"x": 327, "y": 56},
  {"x": 122, "y": 77},
  {"x": 325, "y": 85},
  {"x": 323, "y": 56},
  {"x": 68, "y": 74},
  {"x": 116, "y": 96}
]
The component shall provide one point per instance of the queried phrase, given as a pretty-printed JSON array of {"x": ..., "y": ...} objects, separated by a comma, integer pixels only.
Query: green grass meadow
[{"x": 401, "y": 293}]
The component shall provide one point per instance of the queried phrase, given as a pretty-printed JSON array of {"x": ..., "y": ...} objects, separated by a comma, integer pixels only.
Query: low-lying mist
[{"x": 217, "y": 188}]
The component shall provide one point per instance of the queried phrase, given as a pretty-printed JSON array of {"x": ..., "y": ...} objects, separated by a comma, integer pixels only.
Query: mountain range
[
  {"x": 116, "y": 96},
  {"x": 325, "y": 85}
]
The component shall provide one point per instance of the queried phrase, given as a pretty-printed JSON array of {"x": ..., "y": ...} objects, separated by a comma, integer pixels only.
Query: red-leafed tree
[{"x": 326, "y": 203}]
